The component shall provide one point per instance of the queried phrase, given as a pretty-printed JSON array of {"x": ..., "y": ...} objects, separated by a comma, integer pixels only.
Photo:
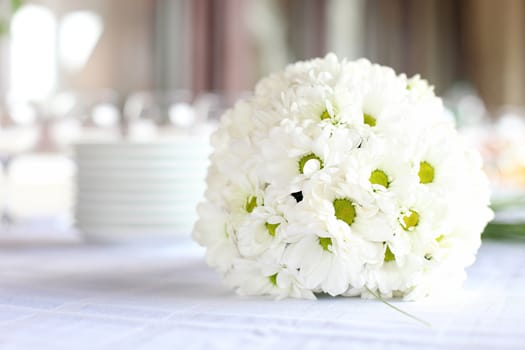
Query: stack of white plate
[{"x": 128, "y": 191}]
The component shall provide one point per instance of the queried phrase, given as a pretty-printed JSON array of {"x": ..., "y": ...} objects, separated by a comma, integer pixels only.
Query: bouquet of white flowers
[{"x": 342, "y": 178}]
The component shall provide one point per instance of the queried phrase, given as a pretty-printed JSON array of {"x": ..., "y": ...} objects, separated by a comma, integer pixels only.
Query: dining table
[{"x": 58, "y": 291}]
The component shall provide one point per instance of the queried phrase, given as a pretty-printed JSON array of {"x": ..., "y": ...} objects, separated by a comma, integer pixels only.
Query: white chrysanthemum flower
[
  {"x": 326, "y": 268},
  {"x": 293, "y": 154},
  {"x": 261, "y": 230},
  {"x": 342, "y": 178},
  {"x": 216, "y": 234},
  {"x": 250, "y": 277}
]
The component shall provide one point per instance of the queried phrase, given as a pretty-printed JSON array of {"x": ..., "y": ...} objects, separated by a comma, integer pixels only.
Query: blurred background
[{"x": 83, "y": 72}]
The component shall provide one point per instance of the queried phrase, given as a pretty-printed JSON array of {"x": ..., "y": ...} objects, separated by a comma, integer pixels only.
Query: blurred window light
[
  {"x": 78, "y": 35},
  {"x": 33, "y": 55}
]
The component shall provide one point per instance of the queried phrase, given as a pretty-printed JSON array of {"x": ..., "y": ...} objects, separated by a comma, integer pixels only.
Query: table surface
[{"x": 62, "y": 294}]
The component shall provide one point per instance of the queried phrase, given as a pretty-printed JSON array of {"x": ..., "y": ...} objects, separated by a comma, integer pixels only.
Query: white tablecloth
[{"x": 61, "y": 294}]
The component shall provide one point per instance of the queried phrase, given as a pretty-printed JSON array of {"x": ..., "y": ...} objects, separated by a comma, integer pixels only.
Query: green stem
[{"x": 378, "y": 297}]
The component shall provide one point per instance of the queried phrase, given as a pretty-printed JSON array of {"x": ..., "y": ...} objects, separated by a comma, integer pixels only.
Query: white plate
[
  {"x": 130, "y": 216},
  {"x": 133, "y": 233},
  {"x": 136, "y": 209},
  {"x": 100, "y": 186},
  {"x": 137, "y": 224},
  {"x": 98, "y": 197},
  {"x": 144, "y": 173},
  {"x": 83, "y": 222},
  {"x": 140, "y": 180},
  {"x": 140, "y": 189},
  {"x": 174, "y": 163},
  {"x": 185, "y": 150}
]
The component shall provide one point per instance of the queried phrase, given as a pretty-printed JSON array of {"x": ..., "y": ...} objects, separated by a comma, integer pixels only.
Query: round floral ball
[{"x": 343, "y": 178}]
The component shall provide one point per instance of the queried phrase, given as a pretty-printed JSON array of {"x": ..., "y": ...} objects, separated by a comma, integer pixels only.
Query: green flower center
[
  {"x": 306, "y": 158},
  {"x": 389, "y": 256},
  {"x": 440, "y": 238},
  {"x": 273, "y": 279},
  {"x": 325, "y": 115},
  {"x": 325, "y": 242},
  {"x": 379, "y": 177},
  {"x": 426, "y": 173},
  {"x": 251, "y": 203},
  {"x": 271, "y": 228},
  {"x": 368, "y": 119},
  {"x": 344, "y": 210},
  {"x": 410, "y": 221}
]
